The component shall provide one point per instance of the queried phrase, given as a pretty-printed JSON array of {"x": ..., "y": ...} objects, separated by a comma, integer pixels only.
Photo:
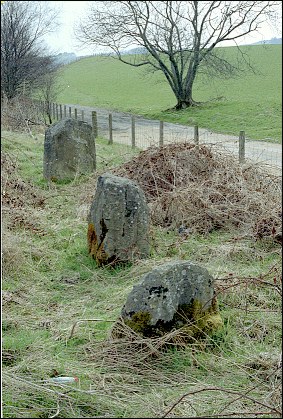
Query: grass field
[
  {"x": 50, "y": 283},
  {"x": 251, "y": 102}
]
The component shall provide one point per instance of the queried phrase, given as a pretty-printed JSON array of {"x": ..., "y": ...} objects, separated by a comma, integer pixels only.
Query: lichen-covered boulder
[
  {"x": 118, "y": 221},
  {"x": 174, "y": 295},
  {"x": 69, "y": 150}
]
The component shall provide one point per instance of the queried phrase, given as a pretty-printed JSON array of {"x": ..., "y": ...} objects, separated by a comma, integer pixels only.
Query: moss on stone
[
  {"x": 192, "y": 318},
  {"x": 139, "y": 322},
  {"x": 199, "y": 322},
  {"x": 213, "y": 322}
]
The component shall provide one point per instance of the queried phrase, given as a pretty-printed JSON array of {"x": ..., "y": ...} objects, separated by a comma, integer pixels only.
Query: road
[{"x": 147, "y": 133}]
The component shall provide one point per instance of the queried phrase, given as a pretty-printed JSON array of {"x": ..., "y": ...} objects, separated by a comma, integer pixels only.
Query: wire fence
[{"x": 137, "y": 131}]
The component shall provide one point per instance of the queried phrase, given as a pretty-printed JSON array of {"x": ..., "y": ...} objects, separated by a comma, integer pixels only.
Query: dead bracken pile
[
  {"x": 200, "y": 188},
  {"x": 19, "y": 197}
]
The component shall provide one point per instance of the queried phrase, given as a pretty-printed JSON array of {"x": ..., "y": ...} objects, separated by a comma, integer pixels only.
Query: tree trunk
[
  {"x": 184, "y": 95},
  {"x": 184, "y": 104}
]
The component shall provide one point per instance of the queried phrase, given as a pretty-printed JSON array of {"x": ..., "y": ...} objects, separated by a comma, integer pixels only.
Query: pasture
[
  {"x": 50, "y": 285},
  {"x": 251, "y": 102}
]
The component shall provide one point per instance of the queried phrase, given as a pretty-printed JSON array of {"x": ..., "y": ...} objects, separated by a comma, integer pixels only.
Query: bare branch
[
  {"x": 178, "y": 38},
  {"x": 24, "y": 60}
]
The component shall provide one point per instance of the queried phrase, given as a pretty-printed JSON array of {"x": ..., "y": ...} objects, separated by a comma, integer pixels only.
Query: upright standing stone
[
  {"x": 69, "y": 150},
  {"x": 118, "y": 221}
]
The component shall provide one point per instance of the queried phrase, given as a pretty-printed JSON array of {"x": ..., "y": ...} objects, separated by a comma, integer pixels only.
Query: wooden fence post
[
  {"x": 57, "y": 114},
  {"x": 110, "y": 129},
  {"x": 48, "y": 111},
  {"x": 65, "y": 111},
  {"x": 196, "y": 134},
  {"x": 242, "y": 146},
  {"x": 161, "y": 131},
  {"x": 133, "y": 132},
  {"x": 94, "y": 123},
  {"x": 53, "y": 111},
  {"x": 83, "y": 115},
  {"x": 70, "y": 112},
  {"x": 76, "y": 113},
  {"x": 61, "y": 113}
]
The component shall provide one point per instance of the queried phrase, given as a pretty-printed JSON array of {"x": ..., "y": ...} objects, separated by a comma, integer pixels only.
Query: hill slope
[{"x": 251, "y": 102}]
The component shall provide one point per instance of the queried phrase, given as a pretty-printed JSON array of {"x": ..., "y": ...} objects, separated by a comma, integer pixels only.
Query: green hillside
[{"x": 251, "y": 102}]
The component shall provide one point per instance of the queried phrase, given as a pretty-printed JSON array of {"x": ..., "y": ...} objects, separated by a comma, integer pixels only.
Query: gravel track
[{"x": 147, "y": 134}]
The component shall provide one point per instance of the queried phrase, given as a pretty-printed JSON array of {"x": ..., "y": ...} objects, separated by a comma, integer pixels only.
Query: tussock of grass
[{"x": 50, "y": 283}]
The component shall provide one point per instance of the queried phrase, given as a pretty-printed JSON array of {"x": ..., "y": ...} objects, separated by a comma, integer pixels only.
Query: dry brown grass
[
  {"x": 20, "y": 198},
  {"x": 236, "y": 373},
  {"x": 21, "y": 114}
]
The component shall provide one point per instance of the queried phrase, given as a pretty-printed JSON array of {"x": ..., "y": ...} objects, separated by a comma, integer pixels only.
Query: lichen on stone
[
  {"x": 95, "y": 249},
  {"x": 91, "y": 240}
]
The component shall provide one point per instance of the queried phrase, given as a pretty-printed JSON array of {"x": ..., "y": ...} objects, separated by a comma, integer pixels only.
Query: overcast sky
[
  {"x": 71, "y": 11},
  {"x": 63, "y": 39}
]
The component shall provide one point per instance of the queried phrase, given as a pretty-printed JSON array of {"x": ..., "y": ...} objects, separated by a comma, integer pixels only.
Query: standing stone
[
  {"x": 69, "y": 150},
  {"x": 171, "y": 296},
  {"x": 118, "y": 221}
]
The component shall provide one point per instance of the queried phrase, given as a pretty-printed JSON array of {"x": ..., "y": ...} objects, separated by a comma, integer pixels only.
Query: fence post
[
  {"x": 83, "y": 115},
  {"x": 57, "y": 115},
  {"x": 48, "y": 111},
  {"x": 196, "y": 134},
  {"x": 65, "y": 111},
  {"x": 61, "y": 113},
  {"x": 133, "y": 132},
  {"x": 53, "y": 111},
  {"x": 70, "y": 112},
  {"x": 94, "y": 123},
  {"x": 110, "y": 130},
  {"x": 161, "y": 131},
  {"x": 76, "y": 113},
  {"x": 242, "y": 146}
]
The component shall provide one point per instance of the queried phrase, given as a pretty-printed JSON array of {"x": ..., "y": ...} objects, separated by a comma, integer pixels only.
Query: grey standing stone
[
  {"x": 118, "y": 221},
  {"x": 69, "y": 150},
  {"x": 171, "y": 296}
]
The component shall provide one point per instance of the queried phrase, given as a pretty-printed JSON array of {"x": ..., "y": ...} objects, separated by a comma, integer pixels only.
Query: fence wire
[{"x": 136, "y": 131}]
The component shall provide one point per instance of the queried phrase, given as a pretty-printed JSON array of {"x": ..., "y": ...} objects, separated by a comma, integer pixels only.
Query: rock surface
[
  {"x": 118, "y": 221},
  {"x": 69, "y": 150},
  {"x": 172, "y": 295}
]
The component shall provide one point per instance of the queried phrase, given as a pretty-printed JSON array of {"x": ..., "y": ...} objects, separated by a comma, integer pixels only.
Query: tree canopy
[{"x": 178, "y": 38}]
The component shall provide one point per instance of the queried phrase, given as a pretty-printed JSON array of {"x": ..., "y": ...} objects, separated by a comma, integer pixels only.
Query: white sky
[
  {"x": 63, "y": 39},
  {"x": 69, "y": 12}
]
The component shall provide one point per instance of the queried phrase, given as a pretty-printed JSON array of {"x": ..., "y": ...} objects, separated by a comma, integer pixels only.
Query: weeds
[{"x": 61, "y": 312}]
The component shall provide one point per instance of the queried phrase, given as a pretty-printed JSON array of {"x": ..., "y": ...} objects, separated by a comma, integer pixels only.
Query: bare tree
[
  {"x": 49, "y": 90},
  {"x": 179, "y": 38},
  {"x": 24, "y": 61}
]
